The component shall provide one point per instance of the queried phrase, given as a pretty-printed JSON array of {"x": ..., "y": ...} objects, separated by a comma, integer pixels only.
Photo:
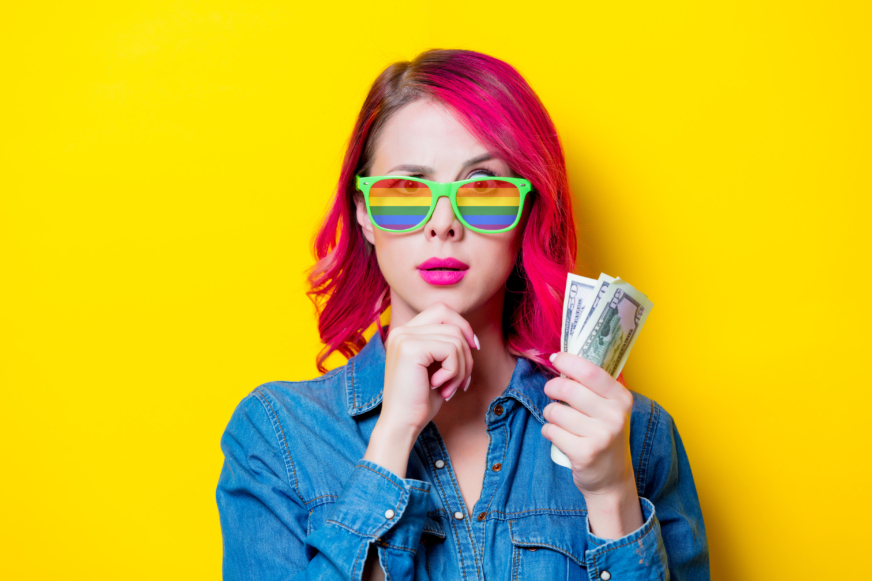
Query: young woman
[{"x": 427, "y": 456}]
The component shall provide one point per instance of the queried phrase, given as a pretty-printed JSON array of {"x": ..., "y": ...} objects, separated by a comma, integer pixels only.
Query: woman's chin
[
  {"x": 463, "y": 301},
  {"x": 450, "y": 296}
]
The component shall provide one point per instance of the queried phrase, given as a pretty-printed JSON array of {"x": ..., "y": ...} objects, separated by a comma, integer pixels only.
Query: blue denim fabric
[{"x": 297, "y": 500}]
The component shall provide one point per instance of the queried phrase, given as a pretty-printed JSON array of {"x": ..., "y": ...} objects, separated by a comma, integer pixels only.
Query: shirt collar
[{"x": 365, "y": 378}]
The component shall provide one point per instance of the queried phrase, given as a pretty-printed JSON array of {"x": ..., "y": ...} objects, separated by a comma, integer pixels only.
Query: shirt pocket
[
  {"x": 430, "y": 548},
  {"x": 548, "y": 546},
  {"x": 432, "y": 532}
]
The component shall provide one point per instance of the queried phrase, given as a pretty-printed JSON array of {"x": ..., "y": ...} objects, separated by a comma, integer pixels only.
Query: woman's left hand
[{"x": 594, "y": 429}]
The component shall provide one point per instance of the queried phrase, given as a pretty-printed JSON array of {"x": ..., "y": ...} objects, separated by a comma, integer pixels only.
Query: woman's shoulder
[
  {"x": 300, "y": 407},
  {"x": 324, "y": 390},
  {"x": 298, "y": 421},
  {"x": 651, "y": 419},
  {"x": 647, "y": 414},
  {"x": 654, "y": 441}
]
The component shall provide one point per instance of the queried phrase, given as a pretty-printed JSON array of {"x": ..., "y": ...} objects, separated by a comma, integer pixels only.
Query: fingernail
[
  {"x": 477, "y": 344},
  {"x": 452, "y": 394},
  {"x": 553, "y": 355},
  {"x": 467, "y": 383}
]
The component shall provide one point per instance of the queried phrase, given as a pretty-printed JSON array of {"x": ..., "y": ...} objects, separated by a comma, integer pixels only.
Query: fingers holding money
[
  {"x": 601, "y": 321},
  {"x": 576, "y": 396},
  {"x": 587, "y": 374},
  {"x": 596, "y": 402},
  {"x": 592, "y": 429}
]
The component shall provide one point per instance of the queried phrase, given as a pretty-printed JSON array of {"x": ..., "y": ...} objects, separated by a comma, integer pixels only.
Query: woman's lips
[
  {"x": 442, "y": 271},
  {"x": 442, "y": 276}
]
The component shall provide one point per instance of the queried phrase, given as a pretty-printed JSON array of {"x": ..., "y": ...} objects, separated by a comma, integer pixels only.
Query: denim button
[
  {"x": 389, "y": 513},
  {"x": 605, "y": 576},
  {"x": 498, "y": 410},
  {"x": 482, "y": 515},
  {"x": 458, "y": 515},
  {"x": 440, "y": 464},
  {"x": 497, "y": 467}
]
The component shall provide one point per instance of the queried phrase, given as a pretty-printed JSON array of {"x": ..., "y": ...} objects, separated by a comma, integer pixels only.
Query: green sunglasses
[{"x": 403, "y": 203}]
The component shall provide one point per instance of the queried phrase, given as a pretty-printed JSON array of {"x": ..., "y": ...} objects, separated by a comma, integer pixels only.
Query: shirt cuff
[
  {"x": 638, "y": 555},
  {"x": 375, "y": 503}
]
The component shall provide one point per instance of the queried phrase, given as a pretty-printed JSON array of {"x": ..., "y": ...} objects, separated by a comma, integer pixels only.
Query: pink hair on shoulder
[{"x": 496, "y": 105}]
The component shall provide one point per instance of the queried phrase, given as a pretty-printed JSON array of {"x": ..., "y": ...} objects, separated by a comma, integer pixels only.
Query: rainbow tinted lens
[
  {"x": 402, "y": 204},
  {"x": 489, "y": 204},
  {"x": 398, "y": 204}
]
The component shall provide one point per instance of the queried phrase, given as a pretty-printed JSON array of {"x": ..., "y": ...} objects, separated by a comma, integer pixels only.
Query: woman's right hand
[{"x": 437, "y": 338}]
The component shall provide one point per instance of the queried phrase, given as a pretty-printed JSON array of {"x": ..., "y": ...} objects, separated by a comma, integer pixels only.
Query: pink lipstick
[{"x": 442, "y": 271}]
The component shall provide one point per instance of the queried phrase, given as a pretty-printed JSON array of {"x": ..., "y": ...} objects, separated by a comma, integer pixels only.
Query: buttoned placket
[{"x": 469, "y": 532}]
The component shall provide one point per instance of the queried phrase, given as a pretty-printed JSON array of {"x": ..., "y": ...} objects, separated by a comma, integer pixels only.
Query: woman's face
[{"x": 424, "y": 139}]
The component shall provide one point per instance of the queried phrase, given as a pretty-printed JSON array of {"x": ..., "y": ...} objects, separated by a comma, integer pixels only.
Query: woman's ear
[{"x": 363, "y": 218}]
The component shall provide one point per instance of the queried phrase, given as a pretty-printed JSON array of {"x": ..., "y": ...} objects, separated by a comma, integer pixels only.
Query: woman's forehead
[{"x": 428, "y": 134}]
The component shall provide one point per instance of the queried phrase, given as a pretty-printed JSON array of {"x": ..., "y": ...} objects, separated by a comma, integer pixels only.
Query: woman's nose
[{"x": 443, "y": 223}]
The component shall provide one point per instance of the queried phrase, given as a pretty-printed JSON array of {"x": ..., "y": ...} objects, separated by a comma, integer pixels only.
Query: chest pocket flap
[
  {"x": 566, "y": 534},
  {"x": 433, "y": 529}
]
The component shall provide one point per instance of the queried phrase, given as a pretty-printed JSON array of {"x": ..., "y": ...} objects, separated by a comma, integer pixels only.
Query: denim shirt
[{"x": 297, "y": 500}]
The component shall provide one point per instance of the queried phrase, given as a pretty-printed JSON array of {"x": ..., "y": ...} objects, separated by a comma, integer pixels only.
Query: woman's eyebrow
[{"x": 424, "y": 169}]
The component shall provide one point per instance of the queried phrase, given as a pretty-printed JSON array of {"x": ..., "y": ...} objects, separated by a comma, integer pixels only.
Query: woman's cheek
[
  {"x": 496, "y": 261},
  {"x": 396, "y": 265}
]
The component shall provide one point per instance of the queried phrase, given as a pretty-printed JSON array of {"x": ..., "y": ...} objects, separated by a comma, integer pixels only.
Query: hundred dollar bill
[
  {"x": 579, "y": 291},
  {"x": 614, "y": 326},
  {"x": 602, "y": 285},
  {"x": 611, "y": 326}
]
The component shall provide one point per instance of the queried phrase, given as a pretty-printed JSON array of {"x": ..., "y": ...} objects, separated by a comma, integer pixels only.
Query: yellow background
[{"x": 163, "y": 167}]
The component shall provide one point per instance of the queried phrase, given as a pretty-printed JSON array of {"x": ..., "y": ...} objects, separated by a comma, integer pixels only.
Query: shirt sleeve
[
  {"x": 673, "y": 536},
  {"x": 264, "y": 520}
]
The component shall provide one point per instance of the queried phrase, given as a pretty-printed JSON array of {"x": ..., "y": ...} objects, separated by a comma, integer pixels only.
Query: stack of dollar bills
[{"x": 601, "y": 322}]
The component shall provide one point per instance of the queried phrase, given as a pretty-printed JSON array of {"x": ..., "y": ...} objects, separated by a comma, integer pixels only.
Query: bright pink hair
[{"x": 496, "y": 105}]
